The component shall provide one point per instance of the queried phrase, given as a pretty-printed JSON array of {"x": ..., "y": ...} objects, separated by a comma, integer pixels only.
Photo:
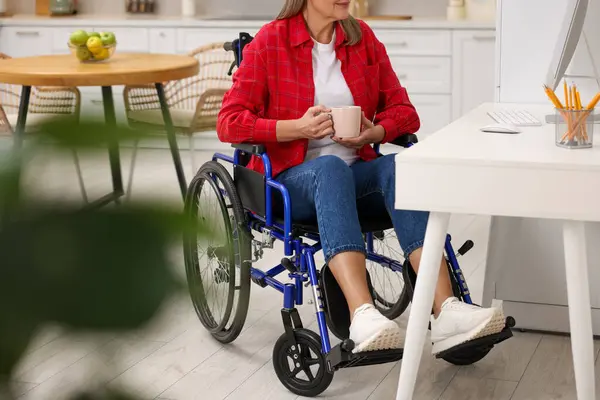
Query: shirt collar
[{"x": 299, "y": 32}]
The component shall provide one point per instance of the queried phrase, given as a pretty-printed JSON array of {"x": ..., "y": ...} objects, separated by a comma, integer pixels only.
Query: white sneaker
[
  {"x": 460, "y": 322},
  {"x": 371, "y": 331}
]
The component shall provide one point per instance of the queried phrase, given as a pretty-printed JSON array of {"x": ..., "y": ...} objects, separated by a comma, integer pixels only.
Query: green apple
[
  {"x": 83, "y": 54},
  {"x": 94, "y": 34},
  {"x": 108, "y": 38},
  {"x": 79, "y": 38}
]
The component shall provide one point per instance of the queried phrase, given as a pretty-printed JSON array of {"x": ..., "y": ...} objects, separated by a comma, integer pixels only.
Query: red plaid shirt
[{"x": 275, "y": 82}]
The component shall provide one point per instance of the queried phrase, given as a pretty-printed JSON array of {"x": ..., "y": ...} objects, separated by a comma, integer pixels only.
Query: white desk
[{"x": 460, "y": 169}]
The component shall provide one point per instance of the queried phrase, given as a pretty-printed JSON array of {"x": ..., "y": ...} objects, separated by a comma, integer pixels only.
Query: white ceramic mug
[{"x": 346, "y": 121}]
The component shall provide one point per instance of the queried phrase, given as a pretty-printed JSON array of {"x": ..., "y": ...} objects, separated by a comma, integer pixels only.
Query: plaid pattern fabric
[{"x": 275, "y": 82}]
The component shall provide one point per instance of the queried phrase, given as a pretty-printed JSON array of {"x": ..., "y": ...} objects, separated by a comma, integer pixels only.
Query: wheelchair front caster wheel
[
  {"x": 467, "y": 357},
  {"x": 301, "y": 366}
]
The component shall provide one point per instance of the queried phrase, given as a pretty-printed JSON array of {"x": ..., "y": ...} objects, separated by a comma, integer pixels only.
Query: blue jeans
[{"x": 334, "y": 194}]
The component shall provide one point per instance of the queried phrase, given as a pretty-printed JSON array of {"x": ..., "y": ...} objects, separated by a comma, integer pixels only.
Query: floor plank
[
  {"x": 154, "y": 374},
  {"x": 507, "y": 361},
  {"x": 95, "y": 369},
  {"x": 550, "y": 375},
  {"x": 469, "y": 388},
  {"x": 434, "y": 376},
  {"x": 262, "y": 385},
  {"x": 219, "y": 375},
  {"x": 54, "y": 357},
  {"x": 17, "y": 389}
]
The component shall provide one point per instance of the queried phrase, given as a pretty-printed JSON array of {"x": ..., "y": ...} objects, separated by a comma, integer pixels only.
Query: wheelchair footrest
[
  {"x": 481, "y": 344},
  {"x": 339, "y": 357}
]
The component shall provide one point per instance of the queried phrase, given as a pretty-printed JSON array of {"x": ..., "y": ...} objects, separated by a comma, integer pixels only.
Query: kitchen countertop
[{"x": 220, "y": 21}]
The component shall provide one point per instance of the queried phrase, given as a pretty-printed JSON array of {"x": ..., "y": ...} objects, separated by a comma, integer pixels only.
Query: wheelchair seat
[
  {"x": 250, "y": 186},
  {"x": 368, "y": 224}
]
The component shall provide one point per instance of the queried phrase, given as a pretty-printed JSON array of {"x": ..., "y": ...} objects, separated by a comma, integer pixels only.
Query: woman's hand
[
  {"x": 316, "y": 123},
  {"x": 370, "y": 134}
]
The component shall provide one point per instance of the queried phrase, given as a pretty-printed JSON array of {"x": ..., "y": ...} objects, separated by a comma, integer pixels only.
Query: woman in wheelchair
[{"x": 313, "y": 57}]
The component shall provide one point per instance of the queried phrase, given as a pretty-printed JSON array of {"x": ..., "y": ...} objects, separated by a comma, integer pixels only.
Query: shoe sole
[
  {"x": 385, "y": 339},
  {"x": 493, "y": 325}
]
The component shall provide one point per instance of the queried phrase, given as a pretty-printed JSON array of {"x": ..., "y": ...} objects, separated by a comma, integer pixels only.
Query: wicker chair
[
  {"x": 45, "y": 104},
  {"x": 5, "y": 126},
  {"x": 193, "y": 102}
]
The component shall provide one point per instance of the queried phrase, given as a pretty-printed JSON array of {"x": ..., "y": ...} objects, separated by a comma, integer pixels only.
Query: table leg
[
  {"x": 22, "y": 118},
  {"x": 580, "y": 315},
  {"x": 19, "y": 134},
  {"x": 422, "y": 302},
  {"x": 113, "y": 143},
  {"x": 172, "y": 138}
]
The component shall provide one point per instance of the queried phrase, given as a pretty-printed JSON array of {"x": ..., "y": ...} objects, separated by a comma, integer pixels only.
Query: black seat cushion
[
  {"x": 367, "y": 224},
  {"x": 371, "y": 220}
]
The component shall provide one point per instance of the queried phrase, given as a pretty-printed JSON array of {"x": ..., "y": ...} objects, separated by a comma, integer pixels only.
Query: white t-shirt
[{"x": 331, "y": 90}]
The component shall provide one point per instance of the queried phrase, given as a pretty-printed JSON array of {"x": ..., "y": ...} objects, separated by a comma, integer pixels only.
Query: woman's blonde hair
[{"x": 350, "y": 26}]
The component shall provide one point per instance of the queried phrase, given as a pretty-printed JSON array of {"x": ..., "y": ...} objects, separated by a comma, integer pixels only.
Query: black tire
[
  {"x": 467, "y": 357},
  {"x": 308, "y": 342},
  {"x": 390, "y": 306},
  {"x": 231, "y": 257}
]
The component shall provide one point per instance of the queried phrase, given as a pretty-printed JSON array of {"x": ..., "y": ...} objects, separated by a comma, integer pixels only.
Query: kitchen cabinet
[
  {"x": 26, "y": 41},
  {"x": 163, "y": 40},
  {"x": 473, "y": 70}
]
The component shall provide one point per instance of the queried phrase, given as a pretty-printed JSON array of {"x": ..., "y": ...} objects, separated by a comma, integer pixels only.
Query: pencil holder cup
[{"x": 574, "y": 128}]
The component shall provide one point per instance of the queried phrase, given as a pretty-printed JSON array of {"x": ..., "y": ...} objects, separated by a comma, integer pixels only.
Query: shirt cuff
[
  {"x": 265, "y": 130},
  {"x": 390, "y": 129}
]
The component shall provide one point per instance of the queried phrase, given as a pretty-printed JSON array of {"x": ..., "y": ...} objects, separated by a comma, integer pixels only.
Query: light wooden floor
[{"x": 176, "y": 359}]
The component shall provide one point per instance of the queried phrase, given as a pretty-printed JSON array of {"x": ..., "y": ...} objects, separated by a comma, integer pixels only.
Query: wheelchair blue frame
[{"x": 304, "y": 253}]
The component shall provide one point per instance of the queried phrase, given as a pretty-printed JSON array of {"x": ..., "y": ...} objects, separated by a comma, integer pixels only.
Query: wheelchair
[{"x": 250, "y": 220}]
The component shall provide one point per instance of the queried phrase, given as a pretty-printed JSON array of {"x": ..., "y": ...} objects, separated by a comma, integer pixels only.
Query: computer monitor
[
  {"x": 568, "y": 39},
  {"x": 584, "y": 70}
]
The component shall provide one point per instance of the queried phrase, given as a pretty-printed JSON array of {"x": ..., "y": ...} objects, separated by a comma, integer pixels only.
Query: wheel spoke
[
  {"x": 308, "y": 373},
  {"x": 311, "y": 361}
]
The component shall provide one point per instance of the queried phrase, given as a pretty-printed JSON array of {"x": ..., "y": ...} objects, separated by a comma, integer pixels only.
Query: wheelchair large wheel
[
  {"x": 390, "y": 293},
  {"x": 301, "y": 367},
  {"x": 216, "y": 265}
]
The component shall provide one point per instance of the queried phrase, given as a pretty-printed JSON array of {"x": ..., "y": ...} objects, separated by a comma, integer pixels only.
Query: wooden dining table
[{"x": 121, "y": 69}]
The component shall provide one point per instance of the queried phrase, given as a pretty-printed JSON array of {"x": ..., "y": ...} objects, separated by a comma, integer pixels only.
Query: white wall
[
  {"x": 527, "y": 42},
  {"x": 242, "y": 7},
  {"x": 526, "y": 45}
]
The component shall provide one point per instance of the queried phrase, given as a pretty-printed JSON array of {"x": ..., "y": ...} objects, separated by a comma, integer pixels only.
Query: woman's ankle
[
  {"x": 355, "y": 307},
  {"x": 438, "y": 303}
]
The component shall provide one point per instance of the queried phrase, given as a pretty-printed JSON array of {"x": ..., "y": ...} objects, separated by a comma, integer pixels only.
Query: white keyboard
[{"x": 514, "y": 117}]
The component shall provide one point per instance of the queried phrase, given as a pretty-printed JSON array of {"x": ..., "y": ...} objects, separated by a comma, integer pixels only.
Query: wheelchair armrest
[
  {"x": 406, "y": 140},
  {"x": 256, "y": 149}
]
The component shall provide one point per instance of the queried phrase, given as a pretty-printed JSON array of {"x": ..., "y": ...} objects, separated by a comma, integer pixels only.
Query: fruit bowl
[
  {"x": 97, "y": 54},
  {"x": 90, "y": 47}
]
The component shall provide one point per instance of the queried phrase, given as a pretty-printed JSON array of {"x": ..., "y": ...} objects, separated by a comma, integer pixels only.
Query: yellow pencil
[
  {"x": 594, "y": 101},
  {"x": 553, "y": 98},
  {"x": 582, "y": 131}
]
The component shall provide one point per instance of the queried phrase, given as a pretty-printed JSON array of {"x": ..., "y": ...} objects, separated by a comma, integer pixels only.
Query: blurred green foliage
[{"x": 101, "y": 270}]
